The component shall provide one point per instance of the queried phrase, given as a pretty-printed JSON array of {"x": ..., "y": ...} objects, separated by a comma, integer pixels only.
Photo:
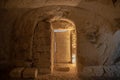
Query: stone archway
[
  {"x": 63, "y": 46},
  {"x": 42, "y": 50}
]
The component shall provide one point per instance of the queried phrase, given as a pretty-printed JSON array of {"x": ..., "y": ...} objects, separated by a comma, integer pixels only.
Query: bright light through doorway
[
  {"x": 56, "y": 30},
  {"x": 73, "y": 58}
]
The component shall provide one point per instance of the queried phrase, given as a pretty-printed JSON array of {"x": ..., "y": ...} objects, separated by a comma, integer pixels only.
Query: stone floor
[
  {"x": 62, "y": 72},
  {"x": 68, "y": 72},
  {"x": 60, "y": 77}
]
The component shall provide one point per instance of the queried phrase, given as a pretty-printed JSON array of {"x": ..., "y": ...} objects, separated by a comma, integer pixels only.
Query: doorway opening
[{"x": 63, "y": 47}]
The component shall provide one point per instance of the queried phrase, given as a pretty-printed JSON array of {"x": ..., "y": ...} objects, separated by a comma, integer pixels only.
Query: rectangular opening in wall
[{"x": 62, "y": 52}]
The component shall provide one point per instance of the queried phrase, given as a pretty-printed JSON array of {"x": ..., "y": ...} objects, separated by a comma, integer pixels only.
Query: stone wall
[{"x": 42, "y": 47}]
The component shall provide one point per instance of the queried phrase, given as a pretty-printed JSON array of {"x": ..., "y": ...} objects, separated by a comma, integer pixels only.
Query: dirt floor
[{"x": 62, "y": 72}]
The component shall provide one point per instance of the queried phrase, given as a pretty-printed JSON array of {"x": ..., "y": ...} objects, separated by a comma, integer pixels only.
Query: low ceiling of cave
[{"x": 41, "y": 3}]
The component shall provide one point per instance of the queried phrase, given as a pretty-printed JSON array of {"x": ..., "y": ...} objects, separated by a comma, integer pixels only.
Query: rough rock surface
[{"x": 101, "y": 71}]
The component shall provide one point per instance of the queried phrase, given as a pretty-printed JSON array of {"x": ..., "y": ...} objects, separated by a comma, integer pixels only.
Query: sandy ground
[{"x": 62, "y": 72}]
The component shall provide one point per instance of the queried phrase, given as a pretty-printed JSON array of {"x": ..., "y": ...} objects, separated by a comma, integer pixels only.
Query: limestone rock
[
  {"x": 101, "y": 71},
  {"x": 92, "y": 71},
  {"x": 30, "y": 73},
  {"x": 16, "y": 73},
  {"x": 115, "y": 56}
]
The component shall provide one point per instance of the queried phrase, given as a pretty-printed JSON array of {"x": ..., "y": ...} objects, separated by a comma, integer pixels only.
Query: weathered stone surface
[
  {"x": 117, "y": 4},
  {"x": 101, "y": 71},
  {"x": 37, "y": 3},
  {"x": 16, "y": 73},
  {"x": 41, "y": 47},
  {"x": 21, "y": 63},
  {"x": 114, "y": 57},
  {"x": 92, "y": 71},
  {"x": 30, "y": 73}
]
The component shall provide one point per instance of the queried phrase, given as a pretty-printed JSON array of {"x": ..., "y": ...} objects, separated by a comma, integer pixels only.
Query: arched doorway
[
  {"x": 63, "y": 46},
  {"x": 44, "y": 56}
]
